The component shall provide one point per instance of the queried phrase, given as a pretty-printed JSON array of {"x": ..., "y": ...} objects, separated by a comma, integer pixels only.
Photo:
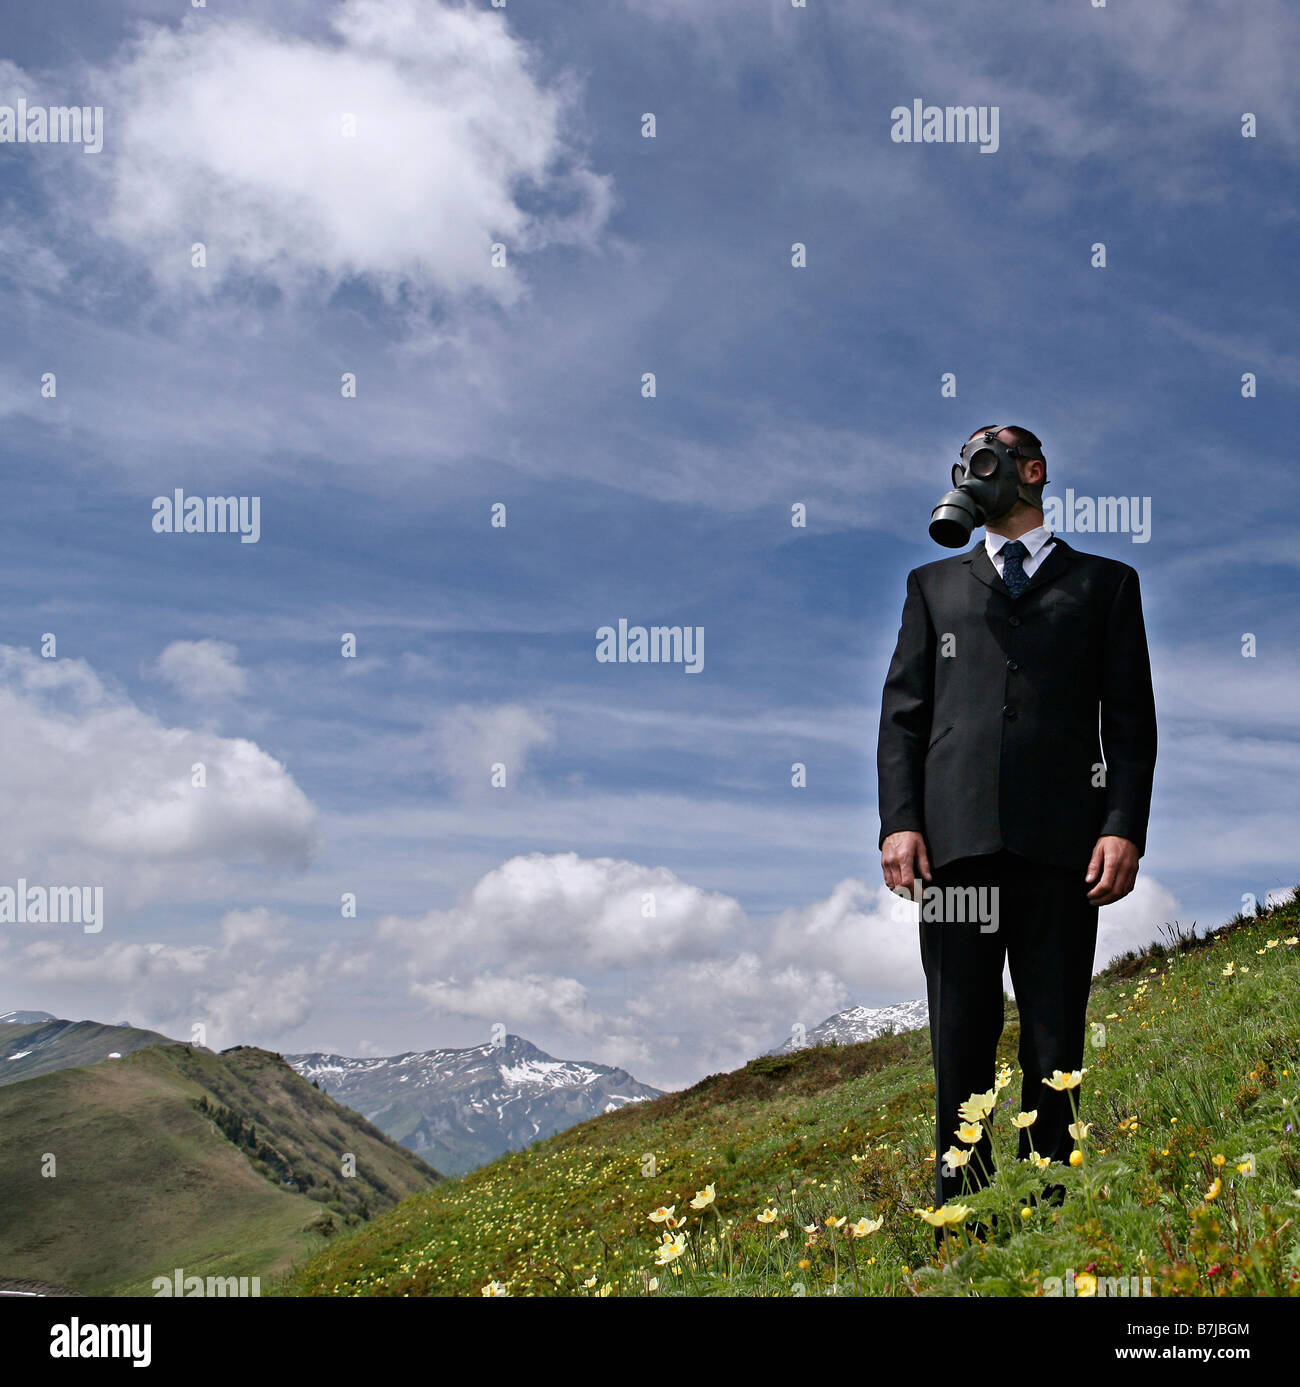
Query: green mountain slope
[
  {"x": 224, "y": 1164},
  {"x": 49, "y": 1045},
  {"x": 1195, "y": 1073}
]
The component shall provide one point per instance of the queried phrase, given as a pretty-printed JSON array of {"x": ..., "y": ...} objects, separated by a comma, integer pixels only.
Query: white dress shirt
[{"x": 1039, "y": 542}]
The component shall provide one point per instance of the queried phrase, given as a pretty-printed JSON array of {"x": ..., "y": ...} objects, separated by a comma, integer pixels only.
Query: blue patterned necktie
[{"x": 1013, "y": 566}]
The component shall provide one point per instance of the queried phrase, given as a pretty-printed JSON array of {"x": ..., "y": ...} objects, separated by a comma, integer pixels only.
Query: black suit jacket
[{"x": 996, "y": 710}]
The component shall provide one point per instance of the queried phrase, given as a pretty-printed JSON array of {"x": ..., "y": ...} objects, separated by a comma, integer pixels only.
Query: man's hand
[
  {"x": 1115, "y": 860},
  {"x": 903, "y": 858}
]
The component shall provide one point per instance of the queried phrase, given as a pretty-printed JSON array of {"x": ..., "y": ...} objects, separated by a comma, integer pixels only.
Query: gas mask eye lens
[
  {"x": 958, "y": 473},
  {"x": 983, "y": 463}
]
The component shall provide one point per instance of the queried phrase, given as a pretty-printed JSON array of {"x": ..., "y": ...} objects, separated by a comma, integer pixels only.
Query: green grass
[
  {"x": 1194, "y": 1066},
  {"x": 145, "y": 1180}
]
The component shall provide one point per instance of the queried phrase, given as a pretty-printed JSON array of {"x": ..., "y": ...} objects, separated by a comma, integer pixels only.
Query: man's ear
[{"x": 1033, "y": 471}]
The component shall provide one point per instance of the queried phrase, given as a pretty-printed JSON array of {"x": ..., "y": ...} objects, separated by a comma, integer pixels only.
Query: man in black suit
[{"x": 1016, "y": 753}]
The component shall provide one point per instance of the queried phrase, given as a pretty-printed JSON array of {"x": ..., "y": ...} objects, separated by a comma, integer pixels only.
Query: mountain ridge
[
  {"x": 29, "y": 1049},
  {"x": 461, "y": 1107}
]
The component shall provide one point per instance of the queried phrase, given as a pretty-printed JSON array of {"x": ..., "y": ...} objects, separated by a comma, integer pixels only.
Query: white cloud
[
  {"x": 533, "y": 911},
  {"x": 234, "y": 990},
  {"x": 468, "y": 741},
  {"x": 857, "y": 933},
  {"x": 205, "y": 671},
  {"x": 716, "y": 1014},
  {"x": 100, "y": 791},
  {"x": 1209, "y": 690},
  {"x": 225, "y": 132},
  {"x": 521, "y": 1002},
  {"x": 690, "y": 986},
  {"x": 254, "y": 1003},
  {"x": 125, "y": 967},
  {"x": 255, "y": 930}
]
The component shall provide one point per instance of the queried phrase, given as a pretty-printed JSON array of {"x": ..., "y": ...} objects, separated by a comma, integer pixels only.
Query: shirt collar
[{"x": 1033, "y": 540}]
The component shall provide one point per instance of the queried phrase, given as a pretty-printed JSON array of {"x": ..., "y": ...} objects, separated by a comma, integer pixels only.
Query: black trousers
[{"x": 1047, "y": 931}]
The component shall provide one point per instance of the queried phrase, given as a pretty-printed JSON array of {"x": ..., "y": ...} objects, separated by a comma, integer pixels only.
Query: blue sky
[{"x": 522, "y": 385}]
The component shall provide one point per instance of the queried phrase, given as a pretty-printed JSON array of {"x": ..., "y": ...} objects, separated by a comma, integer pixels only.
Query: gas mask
[{"x": 986, "y": 484}]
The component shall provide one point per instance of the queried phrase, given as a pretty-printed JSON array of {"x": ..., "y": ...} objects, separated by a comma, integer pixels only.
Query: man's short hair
[{"x": 1029, "y": 442}]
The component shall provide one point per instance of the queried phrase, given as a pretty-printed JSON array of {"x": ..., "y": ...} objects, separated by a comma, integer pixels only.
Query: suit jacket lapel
[{"x": 981, "y": 567}]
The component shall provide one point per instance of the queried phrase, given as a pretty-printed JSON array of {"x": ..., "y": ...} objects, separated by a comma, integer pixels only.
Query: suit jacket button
[
  {"x": 1011, "y": 664},
  {"x": 1008, "y": 711},
  {"x": 1015, "y": 620}
]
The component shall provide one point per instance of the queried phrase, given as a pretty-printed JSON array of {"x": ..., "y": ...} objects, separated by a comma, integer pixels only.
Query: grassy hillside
[
  {"x": 1196, "y": 1074},
  {"x": 49, "y": 1045},
  {"x": 177, "y": 1157}
]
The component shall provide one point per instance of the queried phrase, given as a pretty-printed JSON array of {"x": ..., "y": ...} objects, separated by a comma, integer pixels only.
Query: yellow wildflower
[
  {"x": 949, "y": 1214},
  {"x": 1060, "y": 1082},
  {"x": 978, "y": 1106},
  {"x": 670, "y": 1248}
]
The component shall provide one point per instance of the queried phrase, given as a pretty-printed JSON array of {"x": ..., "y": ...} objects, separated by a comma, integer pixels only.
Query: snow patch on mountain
[{"x": 856, "y": 1024}]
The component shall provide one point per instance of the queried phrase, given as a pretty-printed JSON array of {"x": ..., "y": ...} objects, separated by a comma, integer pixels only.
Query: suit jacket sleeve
[
  {"x": 906, "y": 711},
  {"x": 1128, "y": 717}
]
